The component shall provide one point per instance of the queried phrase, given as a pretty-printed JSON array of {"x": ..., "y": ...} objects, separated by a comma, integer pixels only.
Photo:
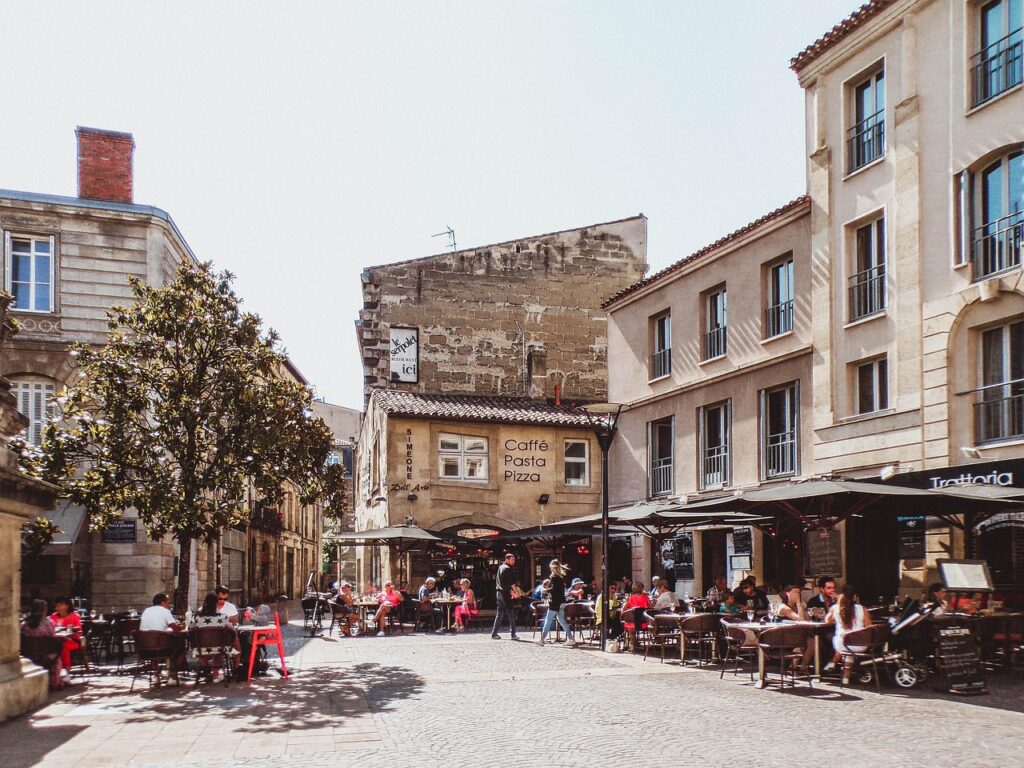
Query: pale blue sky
[{"x": 296, "y": 143}]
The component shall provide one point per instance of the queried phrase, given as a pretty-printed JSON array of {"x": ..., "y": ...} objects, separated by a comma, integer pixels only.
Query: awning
[{"x": 69, "y": 519}]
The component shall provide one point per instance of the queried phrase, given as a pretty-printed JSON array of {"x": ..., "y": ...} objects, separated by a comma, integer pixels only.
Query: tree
[{"x": 183, "y": 415}]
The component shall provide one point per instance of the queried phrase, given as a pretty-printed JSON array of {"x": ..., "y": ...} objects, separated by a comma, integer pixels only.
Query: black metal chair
[
  {"x": 739, "y": 646},
  {"x": 664, "y": 633},
  {"x": 784, "y": 644},
  {"x": 635, "y": 625},
  {"x": 580, "y": 619},
  {"x": 124, "y": 636},
  {"x": 699, "y": 632},
  {"x": 425, "y": 614},
  {"x": 154, "y": 649},
  {"x": 862, "y": 645}
]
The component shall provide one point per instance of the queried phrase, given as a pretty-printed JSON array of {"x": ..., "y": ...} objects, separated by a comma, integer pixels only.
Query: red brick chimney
[{"x": 105, "y": 164}]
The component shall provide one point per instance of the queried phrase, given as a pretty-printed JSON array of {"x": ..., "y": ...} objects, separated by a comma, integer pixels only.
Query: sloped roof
[
  {"x": 852, "y": 22},
  {"x": 500, "y": 410},
  {"x": 802, "y": 201}
]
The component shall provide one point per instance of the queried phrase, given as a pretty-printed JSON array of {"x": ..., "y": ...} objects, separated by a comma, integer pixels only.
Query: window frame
[
  {"x": 865, "y": 133},
  {"x": 653, "y": 441},
  {"x": 1007, "y": 51},
  {"x": 779, "y": 316},
  {"x": 879, "y": 382},
  {"x": 39, "y": 415},
  {"x": 716, "y": 323},
  {"x": 1006, "y": 407},
  {"x": 995, "y": 244},
  {"x": 462, "y": 456},
  {"x": 51, "y": 240},
  {"x": 660, "y": 361},
  {"x": 567, "y": 460},
  {"x": 792, "y": 390},
  {"x": 724, "y": 408},
  {"x": 867, "y": 290}
]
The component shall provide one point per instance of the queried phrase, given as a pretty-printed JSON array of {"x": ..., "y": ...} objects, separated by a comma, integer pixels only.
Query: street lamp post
[{"x": 604, "y": 419}]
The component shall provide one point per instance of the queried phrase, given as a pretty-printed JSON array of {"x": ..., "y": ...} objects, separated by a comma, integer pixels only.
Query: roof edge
[{"x": 840, "y": 31}]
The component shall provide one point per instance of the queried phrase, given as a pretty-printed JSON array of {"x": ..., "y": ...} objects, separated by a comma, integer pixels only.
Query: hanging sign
[
  {"x": 912, "y": 529},
  {"x": 742, "y": 541},
  {"x": 405, "y": 354}
]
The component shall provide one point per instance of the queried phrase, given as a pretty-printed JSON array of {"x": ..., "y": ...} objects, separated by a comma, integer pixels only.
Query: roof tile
[
  {"x": 502, "y": 410},
  {"x": 856, "y": 19}
]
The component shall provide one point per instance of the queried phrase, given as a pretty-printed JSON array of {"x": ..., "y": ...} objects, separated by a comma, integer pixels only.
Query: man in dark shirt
[
  {"x": 749, "y": 595},
  {"x": 826, "y": 596},
  {"x": 503, "y": 587}
]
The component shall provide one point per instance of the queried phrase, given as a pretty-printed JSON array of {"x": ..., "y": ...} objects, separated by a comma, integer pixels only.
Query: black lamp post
[{"x": 603, "y": 419}]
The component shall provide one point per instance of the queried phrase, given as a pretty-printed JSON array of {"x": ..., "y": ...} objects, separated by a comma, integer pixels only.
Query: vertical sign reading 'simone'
[{"x": 405, "y": 354}]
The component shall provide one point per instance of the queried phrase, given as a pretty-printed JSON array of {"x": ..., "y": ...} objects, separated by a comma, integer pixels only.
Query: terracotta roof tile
[
  {"x": 501, "y": 410},
  {"x": 803, "y": 201},
  {"x": 856, "y": 19}
]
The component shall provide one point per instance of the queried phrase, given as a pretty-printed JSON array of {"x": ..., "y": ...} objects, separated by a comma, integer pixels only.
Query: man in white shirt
[
  {"x": 224, "y": 606},
  {"x": 158, "y": 617},
  {"x": 666, "y": 600},
  {"x": 655, "y": 581}
]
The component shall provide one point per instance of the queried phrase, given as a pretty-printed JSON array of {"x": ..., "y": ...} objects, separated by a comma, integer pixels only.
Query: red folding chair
[{"x": 267, "y": 636}]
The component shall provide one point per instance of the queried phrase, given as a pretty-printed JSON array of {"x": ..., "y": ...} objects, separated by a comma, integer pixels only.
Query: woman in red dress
[{"x": 64, "y": 617}]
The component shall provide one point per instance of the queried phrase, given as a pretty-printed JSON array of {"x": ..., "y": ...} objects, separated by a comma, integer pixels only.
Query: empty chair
[
  {"x": 664, "y": 633},
  {"x": 699, "y": 632},
  {"x": 739, "y": 646},
  {"x": 580, "y": 619}
]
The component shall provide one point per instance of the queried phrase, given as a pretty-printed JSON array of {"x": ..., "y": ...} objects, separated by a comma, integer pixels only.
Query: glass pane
[
  {"x": 42, "y": 269},
  {"x": 575, "y": 450},
  {"x": 449, "y": 443},
  {"x": 22, "y": 292},
  {"x": 21, "y": 246},
  {"x": 476, "y": 469},
  {"x": 777, "y": 412},
  {"x": 713, "y": 436},
  {"x": 992, "y": 194},
  {"x": 42, "y": 298},
  {"x": 879, "y": 254},
  {"x": 991, "y": 24},
  {"x": 662, "y": 434},
  {"x": 992, "y": 357},
  {"x": 575, "y": 473},
  {"x": 449, "y": 467},
  {"x": 883, "y": 384},
  {"x": 1015, "y": 183},
  {"x": 865, "y": 388},
  {"x": 864, "y": 258},
  {"x": 42, "y": 246},
  {"x": 21, "y": 269},
  {"x": 880, "y": 92},
  {"x": 863, "y": 101},
  {"x": 1017, "y": 351},
  {"x": 475, "y": 445}
]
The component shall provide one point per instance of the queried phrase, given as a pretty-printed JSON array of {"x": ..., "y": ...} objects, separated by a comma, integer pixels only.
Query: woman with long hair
[
  {"x": 556, "y": 603},
  {"x": 38, "y": 624},
  {"x": 64, "y": 616},
  {"x": 465, "y": 610},
  {"x": 210, "y": 658},
  {"x": 848, "y": 615}
]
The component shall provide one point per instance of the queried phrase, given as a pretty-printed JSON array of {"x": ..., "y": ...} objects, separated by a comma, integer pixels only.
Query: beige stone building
[{"x": 711, "y": 359}]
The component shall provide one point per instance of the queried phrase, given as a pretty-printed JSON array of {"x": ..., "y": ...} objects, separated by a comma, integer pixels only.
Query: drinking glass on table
[{"x": 750, "y": 610}]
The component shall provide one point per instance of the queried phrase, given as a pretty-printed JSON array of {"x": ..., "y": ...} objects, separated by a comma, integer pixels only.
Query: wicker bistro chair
[
  {"x": 308, "y": 606},
  {"x": 154, "y": 649},
  {"x": 739, "y": 647},
  {"x": 580, "y": 619},
  {"x": 44, "y": 651},
  {"x": 664, "y": 633},
  {"x": 636, "y": 627},
  {"x": 699, "y": 632},
  {"x": 124, "y": 637},
  {"x": 219, "y": 640},
  {"x": 865, "y": 644},
  {"x": 784, "y": 644},
  {"x": 425, "y": 615}
]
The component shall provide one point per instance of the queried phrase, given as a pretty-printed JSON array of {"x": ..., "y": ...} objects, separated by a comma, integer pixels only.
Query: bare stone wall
[{"x": 480, "y": 312}]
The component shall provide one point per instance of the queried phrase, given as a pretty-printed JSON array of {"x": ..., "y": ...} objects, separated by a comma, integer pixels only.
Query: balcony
[
  {"x": 997, "y": 68},
  {"x": 778, "y": 319},
  {"x": 999, "y": 413},
  {"x": 661, "y": 476},
  {"x": 715, "y": 343},
  {"x": 780, "y": 455},
  {"x": 866, "y": 141},
  {"x": 867, "y": 292},
  {"x": 714, "y": 469},
  {"x": 661, "y": 363},
  {"x": 998, "y": 246}
]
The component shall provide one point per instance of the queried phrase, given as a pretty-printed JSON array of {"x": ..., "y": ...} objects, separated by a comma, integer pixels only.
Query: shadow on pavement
[{"x": 26, "y": 744}]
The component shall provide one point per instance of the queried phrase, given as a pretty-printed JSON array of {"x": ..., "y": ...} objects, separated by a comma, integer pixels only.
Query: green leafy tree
[
  {"x": 36, "y": 536},
  {"x": 185, "y": 415}
]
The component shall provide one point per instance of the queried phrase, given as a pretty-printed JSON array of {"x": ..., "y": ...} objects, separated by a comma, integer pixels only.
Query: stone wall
[{"x": 480, "y": 312}]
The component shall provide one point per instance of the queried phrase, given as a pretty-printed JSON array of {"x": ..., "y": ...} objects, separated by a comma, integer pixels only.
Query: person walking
[
  {"x": 506, "y": 608},
  {"x": 556, "y": 605}
]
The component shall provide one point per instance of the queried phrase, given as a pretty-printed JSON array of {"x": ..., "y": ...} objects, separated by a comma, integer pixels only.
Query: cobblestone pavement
[{"x": 452, "y": 701}]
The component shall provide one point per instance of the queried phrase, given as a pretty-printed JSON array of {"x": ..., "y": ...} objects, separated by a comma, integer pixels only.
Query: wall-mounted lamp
[
  {"x": 544, "y": 498},
  {"x": 412, "y": 497},
  {"x": 888, "y": 472},
  {"x": 970, "y": 452}
]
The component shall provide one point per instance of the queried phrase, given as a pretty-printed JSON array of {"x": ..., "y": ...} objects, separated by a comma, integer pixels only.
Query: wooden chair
[
  {"x": 699, "y": 632},
  {"x": 739, "y": 647},
  {"x": 872, "y": 641},
  {"x": 425, "y": 614},
  {"x": 154, "y": 649},
  {"x": 124, "y": 636},
  {"x": 664, "y": 633},
  {"x": 267, "y": 636},
  {"x": 635, "y": 625},
  {"x": 580, "y": 619},
  {"x": 44, "y": 651},
  {"x": 784, "y": 644}
]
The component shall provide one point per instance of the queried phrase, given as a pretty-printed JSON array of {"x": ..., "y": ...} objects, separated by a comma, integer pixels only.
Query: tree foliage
[
  {"x": 36, "y": 535},
  {"x": 186, "y": 415}
]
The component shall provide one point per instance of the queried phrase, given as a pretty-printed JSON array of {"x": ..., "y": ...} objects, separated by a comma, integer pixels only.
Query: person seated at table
[
  {"x": 38, "y": 624},
  {"x": 389, "y": 599},
  {"x": 750, "y": 597},
  {"x": 467, "y": 609},
  {"x": 541, "y": 591},
  {"x": 225, "y": 606},
  {"x": 848, "y": 615},
  {"x": 577, "y": 590},
  {"x": 792, "y": 607},
  {"x": 718, "y": 589},
  {"x": 728, "y": 603},
  {"x": 158, "y": 617},
  {"x": 614, "y": 622},
  {"x": 937, "y": 598},
  {"x": 428, "y": 592},
  {"x": 210, "y": 658},
  {"x": 667, "y": 600},
  {"x": 345, "y": 610},
  {"x": 969, "y": 604},
  {"x": 819, "y": 605},
  {"x": 63, "y": 616},
  {"x": 653, "y": 594}
]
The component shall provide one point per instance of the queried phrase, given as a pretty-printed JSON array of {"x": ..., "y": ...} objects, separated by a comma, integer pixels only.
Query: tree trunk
[{"x": 181, "y": 590}]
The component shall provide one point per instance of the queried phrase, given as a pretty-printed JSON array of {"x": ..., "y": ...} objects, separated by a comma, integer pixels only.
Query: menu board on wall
[
  {"x": 912, "y": 528},
  {"x": 405, "y": 354},
  {"x": 823, "y": 553},
  {"x": 742, "y": 541},
  {"x": 684, "y": 557}
]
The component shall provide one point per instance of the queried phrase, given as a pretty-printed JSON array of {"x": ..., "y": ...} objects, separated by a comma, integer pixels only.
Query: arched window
[
  {"x": 35, "y": 400},
  {"x": 998, "y": 215}
]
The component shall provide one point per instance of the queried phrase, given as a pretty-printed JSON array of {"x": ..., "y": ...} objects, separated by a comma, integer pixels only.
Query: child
[{"x": 728, "y": 604}]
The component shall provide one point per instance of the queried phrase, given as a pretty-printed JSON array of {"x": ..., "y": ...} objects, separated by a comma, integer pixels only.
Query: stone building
[
  {"x": 512, "y": 330},
  {"x": 344, "y": 424}
]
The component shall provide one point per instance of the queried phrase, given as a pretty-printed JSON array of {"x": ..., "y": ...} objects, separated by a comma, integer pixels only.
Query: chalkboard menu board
[
  {"x": 119, "y": 532},
  {"x": 956, "y": 653},
  {"x": 912, "y": 528},
  {"x": 742, "y": 541},
  {"x": 684, "y": 557},
  {"x": 823, "y": 553}
]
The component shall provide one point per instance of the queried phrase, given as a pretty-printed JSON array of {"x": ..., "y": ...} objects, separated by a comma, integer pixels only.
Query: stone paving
[{"x": 445, "y": 700}]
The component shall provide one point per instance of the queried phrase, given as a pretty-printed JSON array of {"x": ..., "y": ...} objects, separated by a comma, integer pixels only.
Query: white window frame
[
  {"x": 585, "y": 461},
  {"x": 876, "y": 380},
  {"x": 716, "y": 318},
  {"x": 792, "y": 390},
  {"x": 661, "y": 344},
  {"x": 778, "y": 316},
  {"x": 463, "y": 458},
  {"x": 35, "y": 398},
  {"x": 9, "y": 238},
  {"x": 652, "y": 428},
  {"x": 724, "y": 408}
]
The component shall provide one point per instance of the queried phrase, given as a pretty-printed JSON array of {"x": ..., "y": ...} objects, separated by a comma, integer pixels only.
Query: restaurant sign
[
  {"x": 912, "y": 528},
  {"x": 824, "y": 552},
  {"x": 405, "y": 355},
  {"x": 120, "y": 532}
]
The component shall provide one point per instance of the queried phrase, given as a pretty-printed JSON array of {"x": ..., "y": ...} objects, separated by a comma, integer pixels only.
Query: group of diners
[{"x": 349, "y": 609}]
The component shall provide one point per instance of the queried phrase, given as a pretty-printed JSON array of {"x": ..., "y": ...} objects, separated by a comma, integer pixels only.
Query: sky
[{"x": 295, "y": 144}]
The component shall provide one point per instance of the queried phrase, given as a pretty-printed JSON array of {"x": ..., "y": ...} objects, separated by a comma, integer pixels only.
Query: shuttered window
[{"x": 35, "y": 400}]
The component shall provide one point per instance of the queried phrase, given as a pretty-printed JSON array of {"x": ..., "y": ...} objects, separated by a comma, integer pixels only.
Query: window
[
  {"x": 661, "y": 344},
  {"x": 778, "y": 318},
  {"x": 873, "y": 386},
  {"x": 866, "y": 137},
  {"x": 29, "y": 274},
  {"x": 462, "y": 457},
  {"x": 577, "y": 465},
  {"x": 660, "y": 438},
  {"x": 996, "y": 67},
  {"x": 715, "y": 426},
  {"x": 999, "y": 202},
  {"x": 35, "y": 401},
  {"x": 999, "y": 409},
  {"x": 716, "y": 325},
  {"x": 779, "y": 408},
  {"x": 867, "y": 284}
]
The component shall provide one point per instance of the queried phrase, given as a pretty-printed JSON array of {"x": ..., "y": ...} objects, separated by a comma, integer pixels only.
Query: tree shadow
[{"x": 26, "y": 744}]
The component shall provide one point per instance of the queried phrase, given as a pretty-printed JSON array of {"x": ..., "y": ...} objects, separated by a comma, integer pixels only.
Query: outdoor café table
[
  {"x": 364, "y": 606},
  {"x": 447, "y": 603},
  {"x": 985, "y": 626},
  {"x": 818, "y": 629}
]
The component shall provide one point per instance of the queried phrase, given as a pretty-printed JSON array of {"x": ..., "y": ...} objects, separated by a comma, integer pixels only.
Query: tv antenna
[{"x": 450, "y": 234}]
